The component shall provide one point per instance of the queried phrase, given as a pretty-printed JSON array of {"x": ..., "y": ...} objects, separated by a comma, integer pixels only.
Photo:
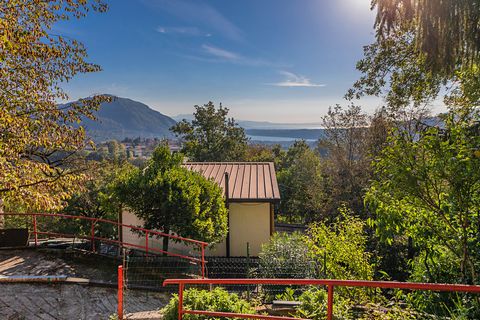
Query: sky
[{"x": 267, "y": 60}]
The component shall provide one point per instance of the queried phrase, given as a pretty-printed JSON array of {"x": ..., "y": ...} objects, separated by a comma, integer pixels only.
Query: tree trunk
[
  {"x": 2, "y": 217},
  {"x": 165, "y": 242}
]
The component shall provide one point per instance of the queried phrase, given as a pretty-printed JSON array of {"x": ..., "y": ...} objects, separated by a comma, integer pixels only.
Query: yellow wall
[{"x": 249, "y": 222}]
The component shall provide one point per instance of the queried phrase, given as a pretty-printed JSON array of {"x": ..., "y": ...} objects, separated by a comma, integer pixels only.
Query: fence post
[
  {"x": 92, "y": 235},
  {"x": 203, "y": 261},
  {"x": 180, "y": 301},
  {"x": 248, "y": 270},
  {"x": 330, "y": 302},
  {"x": 120, "y": 293},
  {"x": 146, "y": 243},
  {"x": 35, "y": 229}
]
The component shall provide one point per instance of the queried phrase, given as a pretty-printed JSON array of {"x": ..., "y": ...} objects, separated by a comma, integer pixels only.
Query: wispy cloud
[
  {"x": 223, "y": 55},
  {"x": 186, "y": 31},
  {"x": 201, "y": 14},
  {"x": 294, "y": 80}
]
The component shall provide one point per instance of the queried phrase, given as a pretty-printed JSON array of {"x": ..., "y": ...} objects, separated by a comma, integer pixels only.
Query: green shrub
[
  {"x": 217, "y": 299},
  {"x": 286, "y": 256},
  {"x": 314, "y": 305},
  {"x": 342, "y": 247},
  {"x": 440, "y": 265}
]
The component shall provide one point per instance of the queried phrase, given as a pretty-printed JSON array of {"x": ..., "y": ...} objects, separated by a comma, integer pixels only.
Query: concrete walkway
[{"x": 24, "y": 301}]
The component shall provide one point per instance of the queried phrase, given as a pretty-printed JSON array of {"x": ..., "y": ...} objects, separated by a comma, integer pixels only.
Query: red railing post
[
  {"x": 330, "y": 302},
  {"x": 180, "y": 301},
  {"x": 146, "y": 243},
  {"x": 120, "y": 293},
  {"x": 35, "y": 229},
  {"x": 92, "y": 235},
  {"x": 203, "y": 261}
]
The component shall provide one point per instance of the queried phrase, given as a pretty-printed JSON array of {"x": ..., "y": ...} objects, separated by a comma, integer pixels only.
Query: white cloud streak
[
  {"x": 202, "y": 14},
  {"x": 294, "y": 80},
  {"x": 222, "y": 55},
  {"x": 186, "y": 31}
]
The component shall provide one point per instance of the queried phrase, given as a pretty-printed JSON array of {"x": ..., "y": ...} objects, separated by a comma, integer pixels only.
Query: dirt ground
[{"x": 67, "y": 301}]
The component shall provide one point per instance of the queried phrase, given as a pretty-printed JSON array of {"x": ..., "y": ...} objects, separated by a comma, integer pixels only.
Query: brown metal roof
[{"x": 255, "y": 181}]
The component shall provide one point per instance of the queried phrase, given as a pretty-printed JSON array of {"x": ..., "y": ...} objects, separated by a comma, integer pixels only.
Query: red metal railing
[
  {"x": 35, "y": 232},
  {"x": 120, "y": 293},
  {"x": 330, "y": 284}
]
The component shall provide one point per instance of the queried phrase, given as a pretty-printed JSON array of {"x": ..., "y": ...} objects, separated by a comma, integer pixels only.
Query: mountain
[
  {"x": 124, "y": 117},
  {"x": 250, "y": 124}
]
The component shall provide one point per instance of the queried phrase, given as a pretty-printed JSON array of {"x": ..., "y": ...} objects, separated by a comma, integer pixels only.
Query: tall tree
[
  {"x": 420, "y": 49},
  {"x": 302, "y": 185},
  {"x": 427, "y": 186},
  {"x": 350, "y": 138},
  {"x": 446, "y": 32},
  {"x": 211, "y": 135},
  {"x": 171, "y": 198},
  {"x": 38, "y": 139}
]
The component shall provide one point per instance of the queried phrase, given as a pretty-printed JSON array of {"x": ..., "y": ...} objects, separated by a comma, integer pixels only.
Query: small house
[{"x": 250, "y": 190}]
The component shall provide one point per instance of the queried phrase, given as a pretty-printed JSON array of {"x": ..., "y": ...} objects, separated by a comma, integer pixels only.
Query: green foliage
[
  {"x": 112, "y": 151},
  {"x": 445, "y": 31},
  {"x": 171, "y": 198},
  {"x": 427, "y": 187},
  {"x": 264, "y": 153},
  {"x": 441, "y": 266},
  {"x": 211, "y": 136},
  {"x": 217, "y": 299},
  {"x": 346, "y": 152},
  {"x": 302, "y": 185},
  {"x": 342, "y": 245},
  {"x": 314, "y": 305},
  {"x": 286, "y": 256},
  {"x": 97, "y": 200},
  {"x": 38, "y": 138}
]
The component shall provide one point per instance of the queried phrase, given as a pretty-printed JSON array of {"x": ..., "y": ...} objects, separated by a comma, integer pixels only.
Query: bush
[
  {"x": 440, "y": 265},
  {"x": 286, "y": 256},
  {"x": 341, "y": 247},
  {"x": 216, "y": 300},
  {"x": 314, "y": 304}
]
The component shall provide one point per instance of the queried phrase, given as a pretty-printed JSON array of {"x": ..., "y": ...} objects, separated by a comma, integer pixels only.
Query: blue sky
[{"x": 274, "y": 60}]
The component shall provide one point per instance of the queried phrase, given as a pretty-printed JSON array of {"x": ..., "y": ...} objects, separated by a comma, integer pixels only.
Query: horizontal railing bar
[
  {"x": 335, "y": 282},
  {"x": 238, "y": 315},
  {"x": 152, "y": 232},
  {"x": 124, "y": 244}
]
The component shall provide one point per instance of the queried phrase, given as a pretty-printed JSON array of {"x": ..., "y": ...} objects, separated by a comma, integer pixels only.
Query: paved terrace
[{"x": 65, "y": 301}]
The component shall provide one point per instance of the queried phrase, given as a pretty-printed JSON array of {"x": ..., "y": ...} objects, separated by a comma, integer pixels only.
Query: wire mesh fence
[
  {"x": 144, "y": 275},
  {"x": 147, "y": 273}
]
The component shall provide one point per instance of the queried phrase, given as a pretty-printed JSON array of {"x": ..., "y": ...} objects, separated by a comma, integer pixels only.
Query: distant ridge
[
  {"x": 123, "y": 118},
  {"x": 263, "y": 125}
]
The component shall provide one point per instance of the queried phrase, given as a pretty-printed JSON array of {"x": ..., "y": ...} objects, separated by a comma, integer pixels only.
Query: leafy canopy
[
  {"x": 445, "y": 32},
  {"x": 427, "y": 186},
  {"x": 211, "y": 136},
  {"x": 38, "y": 141},
  {"x": 302, "y": 184},
  {"x": 171, "y": 198}
]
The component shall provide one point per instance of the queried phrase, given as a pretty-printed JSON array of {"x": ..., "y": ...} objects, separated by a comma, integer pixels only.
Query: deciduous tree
[
  {"x": 174, "y": 199},
  {"x": 427, "y": 187},
  {"x": 38, "y": 139},
  {"x": 211, "y": 136}
]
